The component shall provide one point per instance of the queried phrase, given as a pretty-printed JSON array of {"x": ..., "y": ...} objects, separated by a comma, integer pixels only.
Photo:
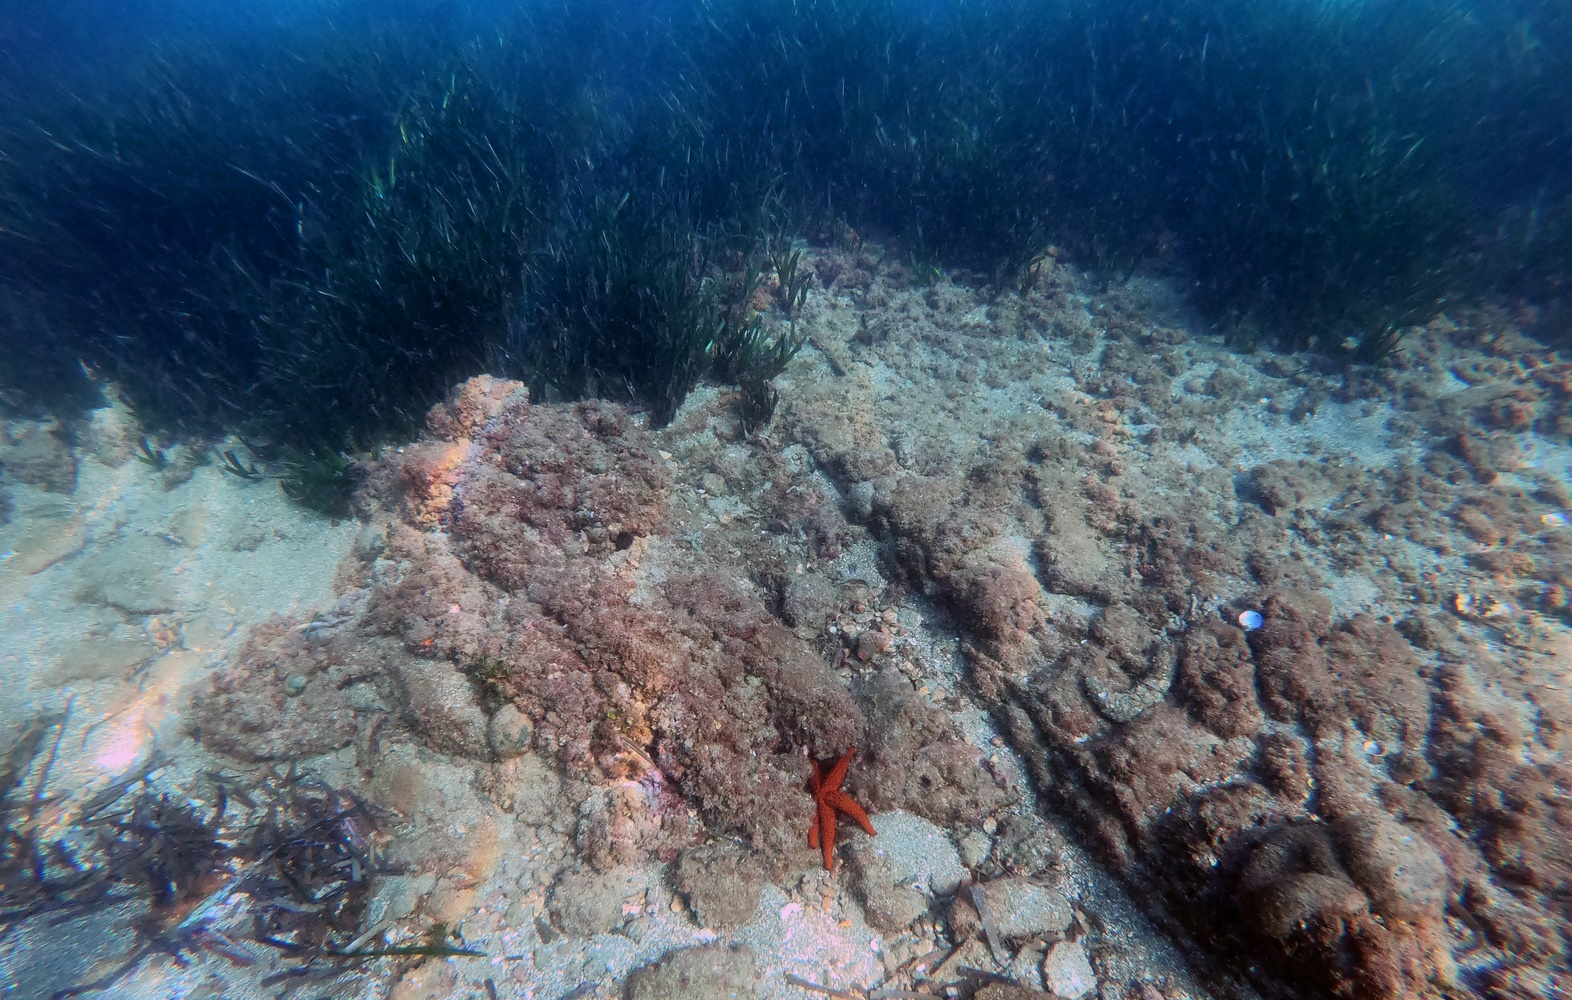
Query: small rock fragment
[
  {"x": 1022, "y": 908},
  {"x": 1067, "y": 972},
  {"x": 711, "y": 972},
  {"x": 509, "y": 732},
  {"x": 859, "y": 506},
  {"x": 871, "y": 644},
  {"x": 371, "y": 541},
  {"x": 809, "y": 603},
  {"x": 589, "y": 903},
  {"x": 975, "y": 848},
  {"x": 439, "y": 703},
  {"x": 108, "y": 435},
  {"x": 898, "y": 871},
  {"x": 1006, "y": 991},
  {"x": 722, "y": 884}
]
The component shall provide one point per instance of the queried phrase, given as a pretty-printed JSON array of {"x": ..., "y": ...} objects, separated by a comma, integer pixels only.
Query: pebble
[
  {"x": 871, "y": 644},
  {"x": 295, "y": 685},
  {"x": 1020, "y": 907},
  {"x": 1067, "y": 972},
  {"x": 1250, "y": 620},
  {"x": 975, "y": 848}
]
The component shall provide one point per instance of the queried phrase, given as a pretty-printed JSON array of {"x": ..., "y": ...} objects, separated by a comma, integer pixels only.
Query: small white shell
[{"x": 1250, "y": 620}]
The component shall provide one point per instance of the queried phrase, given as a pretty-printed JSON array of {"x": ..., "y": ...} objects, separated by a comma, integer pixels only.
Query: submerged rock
[
  {"x": 1403, "y": 875},
  {"x": 39, "y": 453},
  {"x": 440, "y": 705},
  {"x": 1020, "y": 909},
  {"x": 584, "y": 904},
  {"x": 1067, "y": 971},
  {"x": 901, "y": 870},
  {"x": 711, "y": 972},
  {"x": 722, "y": 884}
]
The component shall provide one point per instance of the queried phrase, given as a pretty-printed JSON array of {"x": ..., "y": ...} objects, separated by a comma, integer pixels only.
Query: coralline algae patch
[{"x": 612, "y": 697}]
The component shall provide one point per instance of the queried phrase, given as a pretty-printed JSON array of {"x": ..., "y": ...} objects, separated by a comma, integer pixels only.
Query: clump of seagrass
[
  {"x": 278, "y": 861},
  {"x": 751, "y": 350}
]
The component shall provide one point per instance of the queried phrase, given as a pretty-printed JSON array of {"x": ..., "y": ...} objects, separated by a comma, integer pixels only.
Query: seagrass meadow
[
  {"x": 924, "y": 499},
  {"x": 316, "y": 237}
]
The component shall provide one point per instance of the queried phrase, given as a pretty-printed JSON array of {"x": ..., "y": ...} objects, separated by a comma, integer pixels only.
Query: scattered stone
[
  {"x": 1026, "y": 847},
  {"x": 527, "y": 786},
  {"x": 295, "y": 685},
  {"x": 439, "y": 703},
  {"x": 371, "y": 541},
  {"x": 810, "y": 602},
  {"x": 186, "y": 527},
  {"x": 871, "y": 644},
  {"x": 448, "y": 829},
  {"x": 1067, "y": 972},
  {"x": 900, "y": 870},
  {"x": 509, "y": 732},
  {"x": 975, "y": 848},
  {"x": 1005, "y": 991},
  {"x": 585, "y": 904},
  {"x": 109, "y": 435},
  {"x": 1026, "y": 966},
  {"x": 859, "y": 502},
  {"x": 722, "y": 884},
  {"x": 98, "y": 659},
  {"x": 37, "y": 452},
  {"x": 398, "y": 896},
  {"x": 181, "y": 465},
  {"x": 427, "y": 981},
  {"x": 133, "y": 575},
  {"x": 1022, "y": 909},
  {"x": 711, "y": 972}
]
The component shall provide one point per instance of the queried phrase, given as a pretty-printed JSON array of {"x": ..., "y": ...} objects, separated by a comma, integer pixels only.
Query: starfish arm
[
  {"x": 827, "y": 833},
  {"x": 838, "y": 773},
  {"x": 813, "y": 831},
  {"x": 843, "y": 802}
]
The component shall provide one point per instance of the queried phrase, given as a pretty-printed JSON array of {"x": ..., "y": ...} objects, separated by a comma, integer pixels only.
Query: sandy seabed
[{"x": 1000, "y": 544}]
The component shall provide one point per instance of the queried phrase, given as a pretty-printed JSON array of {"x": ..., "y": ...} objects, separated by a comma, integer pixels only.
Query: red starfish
[{"x": 825, "y": 784}]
